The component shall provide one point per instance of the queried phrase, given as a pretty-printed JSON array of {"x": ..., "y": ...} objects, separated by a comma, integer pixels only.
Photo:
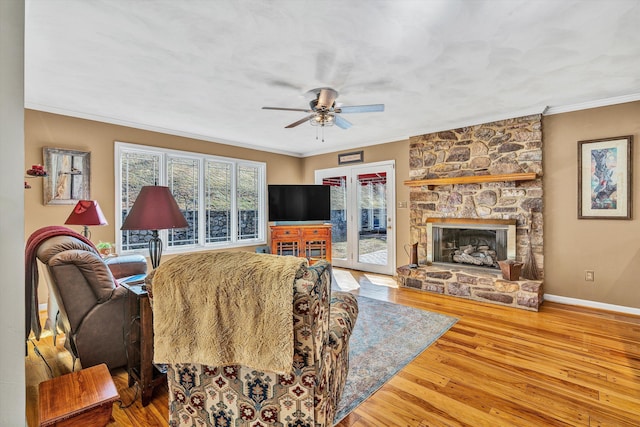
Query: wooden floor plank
[
  {"x": 446, "y": 402},
  {"x": 497, "y": 366},
  {"x": 574, "y": 393},
  {"x": 500, "y": 381},
  {"x": 484, "y": 398}
]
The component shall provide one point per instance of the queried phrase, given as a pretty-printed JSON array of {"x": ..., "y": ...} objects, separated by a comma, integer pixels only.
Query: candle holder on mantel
[{"x": 510, "y": 269}]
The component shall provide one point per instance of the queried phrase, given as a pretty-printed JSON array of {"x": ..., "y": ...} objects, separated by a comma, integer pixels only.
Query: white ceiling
[{"x": 205, "y": 68}]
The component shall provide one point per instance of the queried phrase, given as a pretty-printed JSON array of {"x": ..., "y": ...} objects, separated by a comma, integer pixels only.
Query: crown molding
[
  {"x": 592, "y": 104},
  {"x": 468, "y": 121},
  {"x": 153, "y": 128}
]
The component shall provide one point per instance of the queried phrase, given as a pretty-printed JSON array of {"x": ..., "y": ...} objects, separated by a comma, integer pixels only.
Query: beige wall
[
  {"x": 609, "y": 247},
  {"x": 398, "y": 151},
  {"x": 53, "y": 130}
]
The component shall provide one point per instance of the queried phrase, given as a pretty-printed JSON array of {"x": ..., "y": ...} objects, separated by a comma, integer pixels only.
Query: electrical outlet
[
  {"x": 589, "y": 275},
  {"x": 402, "y": 204}
]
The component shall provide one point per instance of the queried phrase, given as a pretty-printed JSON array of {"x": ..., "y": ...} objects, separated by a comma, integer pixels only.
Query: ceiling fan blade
[
  {"x": 305, "y": 110},
  {"x": 341, "y": 123},
  {"x": 299, "y": 122},
  {"x": 373, "y": 108}
]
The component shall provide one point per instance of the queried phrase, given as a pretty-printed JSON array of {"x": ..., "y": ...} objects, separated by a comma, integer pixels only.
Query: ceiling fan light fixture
[
  {"x": 322, "y": 119},
  {"x": 325, "y": 112}
]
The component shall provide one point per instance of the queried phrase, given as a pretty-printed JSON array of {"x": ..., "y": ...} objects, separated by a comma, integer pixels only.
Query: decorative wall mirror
[{"x": 68, "y": 176}]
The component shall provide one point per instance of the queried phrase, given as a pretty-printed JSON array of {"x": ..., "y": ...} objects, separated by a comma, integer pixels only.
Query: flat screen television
[{"x": 299, "y": 203}]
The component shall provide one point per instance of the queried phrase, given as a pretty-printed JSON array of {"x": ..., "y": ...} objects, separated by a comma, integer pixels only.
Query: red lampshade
[
  {"x": 154, "y": 209},
  {"x": 86, "y": 212}
]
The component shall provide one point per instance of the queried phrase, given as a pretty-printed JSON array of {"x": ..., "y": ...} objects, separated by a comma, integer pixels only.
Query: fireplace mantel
[
  {"x": 472, "y": 221},
  {"x": 473, "y": 179}
]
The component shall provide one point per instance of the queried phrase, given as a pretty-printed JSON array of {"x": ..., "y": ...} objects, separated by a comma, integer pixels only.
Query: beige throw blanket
[{"x": 224, "y": 308}]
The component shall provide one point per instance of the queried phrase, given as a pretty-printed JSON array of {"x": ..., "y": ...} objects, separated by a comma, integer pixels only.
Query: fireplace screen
[{"x": 471, "y": 244}]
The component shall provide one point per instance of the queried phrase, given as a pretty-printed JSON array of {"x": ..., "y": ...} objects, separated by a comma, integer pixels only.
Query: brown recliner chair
[{"x": 91, "y": 305}]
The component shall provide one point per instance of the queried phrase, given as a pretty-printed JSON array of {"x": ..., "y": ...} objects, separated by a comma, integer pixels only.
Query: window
[
  {"x": 218, "y": 201},
  {"x": 183, "y": 180},
  {"x": 222, "y": 199},
  {"x": 248, "y": 202}
]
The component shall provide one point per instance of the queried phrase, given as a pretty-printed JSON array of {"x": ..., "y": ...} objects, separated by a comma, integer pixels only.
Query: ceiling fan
[{"x": 325, "y": 112}]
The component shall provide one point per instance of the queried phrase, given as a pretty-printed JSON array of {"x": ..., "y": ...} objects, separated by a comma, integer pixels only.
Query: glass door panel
[
  {"x": 372, "y": 215},
  {"x": 338, "y": 217}
]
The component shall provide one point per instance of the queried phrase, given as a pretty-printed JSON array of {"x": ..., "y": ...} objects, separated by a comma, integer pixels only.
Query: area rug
[{"x": 385, "y": 339}]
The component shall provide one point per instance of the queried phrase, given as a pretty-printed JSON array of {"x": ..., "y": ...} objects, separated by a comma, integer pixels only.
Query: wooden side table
[
  {"x": 81, "y": 398},
  {"x": 140, "y": 343}
]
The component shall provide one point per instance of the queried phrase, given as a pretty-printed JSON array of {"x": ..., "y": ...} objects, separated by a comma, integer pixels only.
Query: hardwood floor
[{"x": 562, "y": 366}]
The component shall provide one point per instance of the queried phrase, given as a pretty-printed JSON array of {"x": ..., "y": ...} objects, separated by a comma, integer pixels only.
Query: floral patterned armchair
[{"x": 202, "y": 395}]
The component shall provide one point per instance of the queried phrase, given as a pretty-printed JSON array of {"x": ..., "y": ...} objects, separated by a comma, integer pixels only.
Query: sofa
[{"x": 239, "y": 395}]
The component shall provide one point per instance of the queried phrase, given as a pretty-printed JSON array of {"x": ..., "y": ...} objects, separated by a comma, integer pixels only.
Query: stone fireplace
[{"x": 475, "y": 199}]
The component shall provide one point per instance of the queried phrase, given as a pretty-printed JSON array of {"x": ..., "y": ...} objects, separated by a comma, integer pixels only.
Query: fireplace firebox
[{"x": 470, "y": 242}]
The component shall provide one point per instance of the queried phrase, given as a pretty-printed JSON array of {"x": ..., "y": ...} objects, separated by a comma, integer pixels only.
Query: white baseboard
[
  {"x": 42, "y": 307},
  {"x": 592, "y": 304}
]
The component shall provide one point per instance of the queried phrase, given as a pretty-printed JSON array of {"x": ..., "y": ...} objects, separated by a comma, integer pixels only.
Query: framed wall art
[
  {"x": 354, "y": 157},
  {"x": 605, "y": 178},
  {"x": 68, "y": 176}
]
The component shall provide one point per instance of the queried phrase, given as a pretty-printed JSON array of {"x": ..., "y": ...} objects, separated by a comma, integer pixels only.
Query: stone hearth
[{"x": 483, "y": 286}]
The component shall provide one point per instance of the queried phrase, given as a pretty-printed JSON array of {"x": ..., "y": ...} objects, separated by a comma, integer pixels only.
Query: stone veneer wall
[{"x": 502, "y": 147}]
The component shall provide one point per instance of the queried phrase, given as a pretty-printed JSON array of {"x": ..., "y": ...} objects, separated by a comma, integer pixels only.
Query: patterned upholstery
[{"x": 240, "y": 396}]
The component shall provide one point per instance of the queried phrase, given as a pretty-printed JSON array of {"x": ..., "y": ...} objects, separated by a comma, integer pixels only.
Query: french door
[{"x": 362, "y": 215}]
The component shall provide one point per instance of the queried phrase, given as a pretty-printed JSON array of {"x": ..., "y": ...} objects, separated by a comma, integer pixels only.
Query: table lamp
[
  {"x": 154, "y": 209},
  {"x": 86, "y": 213}
]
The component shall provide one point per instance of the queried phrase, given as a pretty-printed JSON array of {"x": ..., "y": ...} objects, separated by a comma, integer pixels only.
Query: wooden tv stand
[{"x": 309, "y": 241}]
